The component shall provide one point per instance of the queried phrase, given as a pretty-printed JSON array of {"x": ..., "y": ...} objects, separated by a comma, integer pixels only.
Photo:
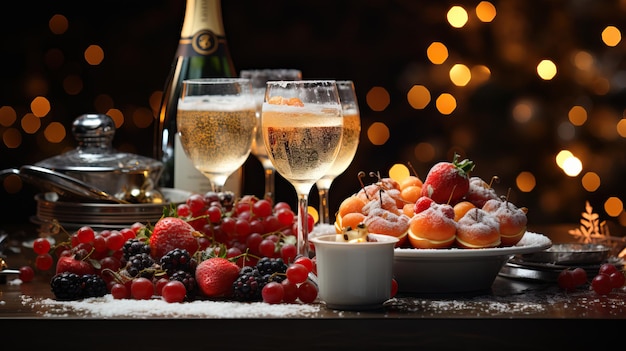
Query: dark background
[{"x": 374, "y": 43}]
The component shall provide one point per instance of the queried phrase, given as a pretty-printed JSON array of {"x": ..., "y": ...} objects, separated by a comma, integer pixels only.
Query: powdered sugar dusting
[{"x": 108, "y": 307}]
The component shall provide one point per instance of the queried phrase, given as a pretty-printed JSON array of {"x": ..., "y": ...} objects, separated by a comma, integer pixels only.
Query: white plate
[{"x": 457, "y": 270}]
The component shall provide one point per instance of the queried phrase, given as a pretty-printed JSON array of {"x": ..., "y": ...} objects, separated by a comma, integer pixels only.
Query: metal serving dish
[
  {"x": 569, "y": 254},
  {"x": 73, "y": 215},
  {"x": 96, "y": 163}
]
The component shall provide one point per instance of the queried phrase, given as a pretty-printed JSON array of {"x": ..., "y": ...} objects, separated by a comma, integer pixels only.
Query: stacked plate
[
  {"x": 547, "y": 264},
  {"x": 73, "y": 215}
]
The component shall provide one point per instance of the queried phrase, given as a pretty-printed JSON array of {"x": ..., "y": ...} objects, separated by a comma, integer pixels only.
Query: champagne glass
[
  {"x": 302, "y": 125},
  {"x": 216, "y": 122},
  {"x": 259, "y": 77},
  {"x": 349, "y": 145}
]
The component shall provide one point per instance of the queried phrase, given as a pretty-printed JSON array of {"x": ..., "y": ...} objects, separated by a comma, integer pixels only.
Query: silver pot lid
[{"x": 95, "y": 153}]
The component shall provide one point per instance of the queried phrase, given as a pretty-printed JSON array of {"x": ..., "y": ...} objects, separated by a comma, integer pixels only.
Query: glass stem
[
  {"x": 324, "y": 199},
  {"x": 269, "y": 183},
  {"x": 303, "y": 227}
]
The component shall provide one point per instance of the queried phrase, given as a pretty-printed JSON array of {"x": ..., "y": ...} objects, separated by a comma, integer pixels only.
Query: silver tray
[
  {"x": 73, "y": 215},
  {"x": 569, "y": 254}
]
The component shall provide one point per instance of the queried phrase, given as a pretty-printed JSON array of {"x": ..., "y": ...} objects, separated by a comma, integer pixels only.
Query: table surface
[{"x": 540, "y": 308}]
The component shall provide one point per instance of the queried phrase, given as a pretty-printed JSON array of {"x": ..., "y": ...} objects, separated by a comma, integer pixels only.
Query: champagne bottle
[{"x": 202, "y": 53}]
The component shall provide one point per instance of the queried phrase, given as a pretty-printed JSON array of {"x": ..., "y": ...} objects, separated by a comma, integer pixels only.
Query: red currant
[
  {"x": 297, "y": 273},
  {"x": 306, "y": 262},
  {"x": 41, "y": 246},
  {"x": 27, "y": 273},
  {"x": 307, "y": 292},
  {"x": 196, "y": 203},
  {"x": 288, "y": 252},
  {"x": 285, "y": 216},
  {"x": 85, "y": 234},
  {"x": 267, "y": 247},
  {"x": 262, "y": 208},
  {"x": 128, "y": 234},
  {"x": 281, "y": 205},
  {"x": 174, "y": 291},
  {"x": 253, "y": 242},
  {"x": 290, "y": 291},
  {"x": 44, "y": 262},
  {"x": 120, "y": 291},
  {"x": 273, "y": 292},
  {"x": 141, "y": 288},
  {"x": 115, "y": 241}
]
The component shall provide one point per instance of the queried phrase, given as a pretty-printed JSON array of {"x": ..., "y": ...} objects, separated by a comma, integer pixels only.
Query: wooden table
[{"x": 513, "y": 315}]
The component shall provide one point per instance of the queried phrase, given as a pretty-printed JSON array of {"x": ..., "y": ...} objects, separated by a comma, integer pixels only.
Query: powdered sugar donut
[
  {"x": 381, "y": 221},
  {"x": 513, "y": 220},
  {"x": 478, "y": 229},
  {"x": 479, "y": 192},
  {"x": 433, "y": 227},
  {"x": 387, "y": 188}
]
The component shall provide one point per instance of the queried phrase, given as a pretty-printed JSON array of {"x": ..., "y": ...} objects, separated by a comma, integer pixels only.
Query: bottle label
[
  {"x": 187, "y": 177},
  {"x": 203, "y": 43}
]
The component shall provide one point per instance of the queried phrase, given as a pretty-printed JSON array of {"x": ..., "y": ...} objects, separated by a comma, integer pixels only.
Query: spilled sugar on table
[{"x": 512, "y": 313}]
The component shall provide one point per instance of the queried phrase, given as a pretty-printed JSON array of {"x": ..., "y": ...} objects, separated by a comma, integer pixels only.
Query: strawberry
[
  {"x": 171, "y": 233},
  {"x": 215, "y": 276},
  {"x": 448, "y": 182},
  {"x": 71, "y": 264}
]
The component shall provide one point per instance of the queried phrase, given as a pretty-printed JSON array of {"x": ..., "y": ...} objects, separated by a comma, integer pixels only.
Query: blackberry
[
  {"x": 268, "y": 265},
  {"x": 93, "y": 285},
  {"x": 178, "y": 260},
  {"x": 188, "y": 279},
  {"x": 66, "y": 286},
  {"x": 227, "y": 199},
  {"x": 271, "y": 270},
  {"x": 247, "y": 286},
  {"x": 133, "y": 247},
  {"x": 138, "y": 265}
]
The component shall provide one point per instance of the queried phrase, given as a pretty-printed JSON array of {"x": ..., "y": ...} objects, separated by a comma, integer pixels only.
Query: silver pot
[{"x": 127, "y": 177}]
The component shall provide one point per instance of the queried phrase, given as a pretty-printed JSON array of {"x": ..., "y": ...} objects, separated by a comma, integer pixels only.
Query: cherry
[
  {"x": 617, "y": 279},
  {"x": 566, "y": 280},
  {"x": 579, "y": 275},
  {"x": 601, "y": 284}
]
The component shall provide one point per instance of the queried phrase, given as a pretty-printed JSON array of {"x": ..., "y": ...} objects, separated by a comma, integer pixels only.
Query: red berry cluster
[
  {"x": 607, "y": 279},
  {"x": 249, "y": 224},
  {"x": 242, "y": 230},
  {"x": 296, "y": 285}
]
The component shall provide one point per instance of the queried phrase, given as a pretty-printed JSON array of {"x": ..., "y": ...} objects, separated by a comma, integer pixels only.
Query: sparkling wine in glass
[
  {"x": 349, "y": 145},
  {"x": 302, "y": 125},
  {"x": 216, "y": 122},
  {"x": 259, "y": 77}
]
